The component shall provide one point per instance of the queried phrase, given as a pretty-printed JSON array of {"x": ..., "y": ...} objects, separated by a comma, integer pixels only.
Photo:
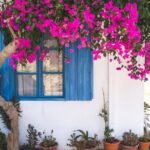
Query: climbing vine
[{"x": 116, "y": 28}]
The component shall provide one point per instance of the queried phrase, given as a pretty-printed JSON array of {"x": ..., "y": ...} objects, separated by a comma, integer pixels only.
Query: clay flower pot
[
  {"x": 111, "y": 146},
  {"x": 48, "y": 148},
  {"x": 125, "y": 147},
  {"x": 144, "y": 145}
]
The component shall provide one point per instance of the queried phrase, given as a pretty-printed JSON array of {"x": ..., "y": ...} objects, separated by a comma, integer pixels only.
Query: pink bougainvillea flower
[
  {"x": 31, "y": 58},
  {"x": 43, "y": 54},
  {"x": 71, "y": 50},
  {"x": 67, "y": 60},
  {"x": 108, "y": 30}
]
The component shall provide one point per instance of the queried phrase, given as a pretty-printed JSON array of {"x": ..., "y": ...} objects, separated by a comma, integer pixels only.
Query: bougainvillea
[{"x": 101, "y": 26}]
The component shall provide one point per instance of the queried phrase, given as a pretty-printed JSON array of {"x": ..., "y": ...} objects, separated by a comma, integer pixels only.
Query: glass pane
[
  {"x": 53, "y": 62},
  {"x": 30, "y": 67},
  {"x": 53, "y": 85},
  {"x": 49, "y": 41},
  {"x": 26, "y": 85}
]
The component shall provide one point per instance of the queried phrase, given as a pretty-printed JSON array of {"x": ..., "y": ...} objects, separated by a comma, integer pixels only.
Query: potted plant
[
  {"x": 130, "y": 141},
  {"x": 110, "y": 142},
  {"x": 82, "y": 141},
  {"x": 144, "y": 143},
  {"x": 49, "y": 143},
  {"x": 32, "y": 140}
]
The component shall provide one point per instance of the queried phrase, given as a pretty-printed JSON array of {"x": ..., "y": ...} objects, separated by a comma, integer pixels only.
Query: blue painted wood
[
  {"x": 1, "y": 46},
  {"x": 85, "y": 74},
  {"x": 7, "y": 84},
  {"x": 79, "y": 74},
  {"x": 71, "y": 73},
  {"x": 39, "y": 81}
]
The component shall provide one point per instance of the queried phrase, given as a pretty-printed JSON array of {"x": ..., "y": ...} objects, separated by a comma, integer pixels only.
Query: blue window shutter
[
  {"x": 71, "y": 91},
  {"x": 1, "y": 46},
  {"x": 7, "y": 75},
  {"x": 79, "y": 74},
  {"x": 85, "y": 74}
]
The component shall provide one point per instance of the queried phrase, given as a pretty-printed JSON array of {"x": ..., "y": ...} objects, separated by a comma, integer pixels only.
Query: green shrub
[{"x": 3, "y": 142}]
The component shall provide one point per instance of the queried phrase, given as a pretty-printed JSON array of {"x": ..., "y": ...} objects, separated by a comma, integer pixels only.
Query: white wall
[
  {"x": 126, "y": 108},
  {"x": 126, "y": 102},
  {"x": 66, "y": 116}
]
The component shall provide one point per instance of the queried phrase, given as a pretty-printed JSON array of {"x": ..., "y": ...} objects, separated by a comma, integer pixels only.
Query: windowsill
[
  {"x": 41, "y": 98},
  {"x": 51, "y": 99}
]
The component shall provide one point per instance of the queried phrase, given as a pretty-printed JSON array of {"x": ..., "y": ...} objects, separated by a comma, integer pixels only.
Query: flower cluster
[{"x": 103, "y": 27}]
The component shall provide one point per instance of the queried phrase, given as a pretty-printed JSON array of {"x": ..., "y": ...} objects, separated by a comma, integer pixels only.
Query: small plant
[
  {"x": 49, "y": 141},
  {"x": 108, "y": 131},
  {"x": 146, "y": 119},
  {"x": 3, "y": 142},
  {"x": 130, "y": 139},
  {"x": 108, "y": 135},
  {"x": 144, "y": 142},
  {"x": 4, "y": 116},
  {"x": 32, "y": 138},
  {"x": 144, "y": 138},
  {"x": 146, "y": 107},
  {"x": 25, "y": 147},
  {"x": 83, "y": 141}
]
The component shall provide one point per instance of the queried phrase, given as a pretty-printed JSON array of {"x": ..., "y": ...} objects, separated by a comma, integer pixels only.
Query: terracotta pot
[
  {"x": 125, "y": 147},
  {"x": 48, "y": 148},
  {"x": 111, "y": 146},
  {"x": 144, "y": 145}
]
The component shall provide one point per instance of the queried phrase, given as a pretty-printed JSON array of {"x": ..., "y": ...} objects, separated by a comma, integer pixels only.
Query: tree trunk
[
  {"x": 13, "y": 136},
  {"x": 7, "y": 51}
]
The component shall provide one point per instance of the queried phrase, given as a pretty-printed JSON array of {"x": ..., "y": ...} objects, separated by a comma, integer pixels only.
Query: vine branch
[{"x": 11, "y": 30}]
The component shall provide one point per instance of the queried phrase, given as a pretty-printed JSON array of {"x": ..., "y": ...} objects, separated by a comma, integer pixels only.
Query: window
[
  {"x": 51, "y": 79},
  {"x": 42, "y": 79}
]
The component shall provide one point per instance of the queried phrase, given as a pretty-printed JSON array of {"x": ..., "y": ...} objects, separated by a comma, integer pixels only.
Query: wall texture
[{"x": 125, "y": 104}]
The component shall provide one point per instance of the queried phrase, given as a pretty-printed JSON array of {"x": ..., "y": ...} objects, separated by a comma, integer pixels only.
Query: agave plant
[{"x": 82, "y": 140}]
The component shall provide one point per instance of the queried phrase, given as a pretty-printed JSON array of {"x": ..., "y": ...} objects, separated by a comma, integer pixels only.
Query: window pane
[
  {"x": 52, "y": 85},
  {"x": 26, "y": 85},
  {"x": 49, "y": 41},
  {"x": 30, "y": 67},
  {"x": 53, "y": 61}
]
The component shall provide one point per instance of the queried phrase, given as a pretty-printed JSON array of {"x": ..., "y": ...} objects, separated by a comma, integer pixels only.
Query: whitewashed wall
[
  {"x": 66, "y": 116},
  {"x": 126, "y": 108},
  {"x": 126, "y": 102}
]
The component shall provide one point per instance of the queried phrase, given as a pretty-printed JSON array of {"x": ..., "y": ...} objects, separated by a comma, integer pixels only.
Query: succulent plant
[
  {"x": 130, "y": 138},
  {"x": 49, "y": 141},
  {"x": 82, "y": 140},
  {"x": 144, "y": 138}
]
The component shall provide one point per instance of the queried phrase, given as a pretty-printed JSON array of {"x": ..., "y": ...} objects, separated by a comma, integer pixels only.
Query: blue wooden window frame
[
  {"x": 77, "y": 76},
  {"x": 39, "y": 81}
]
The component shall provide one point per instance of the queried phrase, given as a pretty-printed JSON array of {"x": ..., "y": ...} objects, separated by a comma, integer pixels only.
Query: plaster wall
[
  {"x": 125, "y": 106},
  {"x": 126, "y": 102}
]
